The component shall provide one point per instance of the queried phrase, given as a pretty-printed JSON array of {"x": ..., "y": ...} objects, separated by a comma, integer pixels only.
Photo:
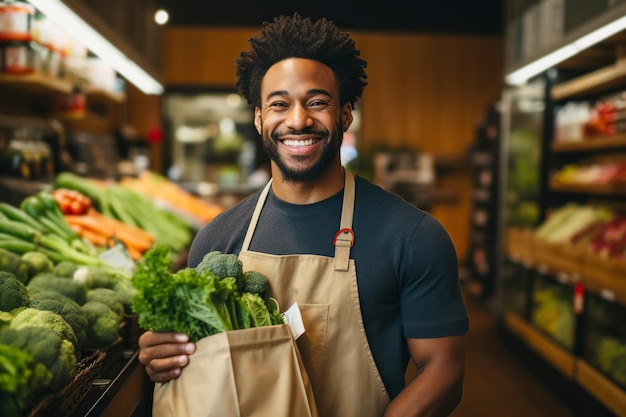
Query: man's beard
[{"x": 330, "y": 149}]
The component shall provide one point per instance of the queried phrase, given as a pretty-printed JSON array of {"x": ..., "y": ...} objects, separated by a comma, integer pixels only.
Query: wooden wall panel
[
  {"x": 203, "y": 57},
  {"x": 426, "y": 92}
]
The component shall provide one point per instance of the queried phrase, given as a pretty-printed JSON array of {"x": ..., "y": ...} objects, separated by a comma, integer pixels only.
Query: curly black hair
[{"x": 299, "y": 37}]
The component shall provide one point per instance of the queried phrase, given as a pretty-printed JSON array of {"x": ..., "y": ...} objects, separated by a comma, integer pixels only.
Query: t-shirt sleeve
[{"x": 431, "y": 298}]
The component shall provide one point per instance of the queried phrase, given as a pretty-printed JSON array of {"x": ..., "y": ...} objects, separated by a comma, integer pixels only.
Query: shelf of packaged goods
[
  {"x": 559, "y": 358},
  {"x": 36, "y": 83},
  {"x": 596, "y": 143},
  {"x": 603, "y": 79},
  {"x": 594, "y": 382},
  {"x": 611, "y": 190}
]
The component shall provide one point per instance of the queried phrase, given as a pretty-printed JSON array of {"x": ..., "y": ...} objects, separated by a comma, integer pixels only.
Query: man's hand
[{"x": 164, "y": 354}]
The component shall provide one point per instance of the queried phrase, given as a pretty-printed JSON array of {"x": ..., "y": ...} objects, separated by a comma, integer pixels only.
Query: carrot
[
  {"x": 129, "y": 239},
  {"x": 95, "y": 238},
  {"x": 134, "y": 253},
  {"x": 121, "y": 227},
  {"x": 90, "y": 223}
]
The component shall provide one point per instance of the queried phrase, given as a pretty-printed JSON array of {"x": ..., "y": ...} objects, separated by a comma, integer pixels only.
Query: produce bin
[
  {"x": 604, "y": 345},
  {"x": 552, "y": 309}
]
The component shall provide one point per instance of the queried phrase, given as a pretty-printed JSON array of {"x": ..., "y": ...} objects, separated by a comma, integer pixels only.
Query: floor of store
[{"x": 497, "y": 384}]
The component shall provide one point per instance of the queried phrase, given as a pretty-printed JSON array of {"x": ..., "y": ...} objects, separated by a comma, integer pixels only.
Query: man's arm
[{"x": 438, "y": 386}]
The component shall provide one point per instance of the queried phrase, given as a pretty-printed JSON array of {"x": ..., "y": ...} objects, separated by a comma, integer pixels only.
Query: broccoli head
[
  {"x": 13, "y": 293},
  {"x": 104, "y": 325},
  {"x": 22, "y": 381},
  {"x": 5, "y": 319},
  {"x": 126, "y": 291},
  {"x": 65, "y": 269},
  {"x": 47, "y": 347},
  {"x": 45, "y": 318},
  {"x": 64, "y": 307},
  {"x": 256, "y": 283},
  {"x": 224, "y": 265},
  {"x": 12, "y": 262},
  {"x": 109, "y": 297},
  {"x": 68, "y": 287},
  {"x": 37, "y": 262}
]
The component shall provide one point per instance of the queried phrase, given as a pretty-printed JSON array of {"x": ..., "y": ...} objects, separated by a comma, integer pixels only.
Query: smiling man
[{"x": 376, "y": 278}]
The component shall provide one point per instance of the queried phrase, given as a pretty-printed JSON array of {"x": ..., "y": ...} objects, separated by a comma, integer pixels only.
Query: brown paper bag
[{"x": 254, "y": 372}]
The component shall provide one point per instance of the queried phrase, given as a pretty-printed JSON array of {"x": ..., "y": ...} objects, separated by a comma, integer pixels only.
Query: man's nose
[{"x": 298, "y": 118}]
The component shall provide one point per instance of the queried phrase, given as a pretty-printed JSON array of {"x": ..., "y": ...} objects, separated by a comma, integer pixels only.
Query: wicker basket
[{"x": 63, "y": 403}]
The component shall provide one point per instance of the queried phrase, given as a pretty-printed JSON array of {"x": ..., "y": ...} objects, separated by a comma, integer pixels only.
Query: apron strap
[
  {"x": 255, "y": 216},
  {"x": 344, "y": 238}
]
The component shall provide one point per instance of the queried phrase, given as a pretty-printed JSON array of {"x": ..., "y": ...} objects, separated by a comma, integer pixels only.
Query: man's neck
[{"x": 323, "y": 187}]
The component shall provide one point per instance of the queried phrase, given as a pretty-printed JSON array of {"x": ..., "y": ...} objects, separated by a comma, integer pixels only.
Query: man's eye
[
  {"x": 318, "y": 103},
  {"x": 278, "y": 104}
]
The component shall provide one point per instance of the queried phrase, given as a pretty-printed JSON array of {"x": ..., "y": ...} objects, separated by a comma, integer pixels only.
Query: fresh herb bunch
[{"x": 197, "y": 303}]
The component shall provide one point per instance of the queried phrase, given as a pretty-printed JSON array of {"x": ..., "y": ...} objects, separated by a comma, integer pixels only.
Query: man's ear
[
  {"x": 257, "y": 120},
  {"x": 346, "y": 116}
]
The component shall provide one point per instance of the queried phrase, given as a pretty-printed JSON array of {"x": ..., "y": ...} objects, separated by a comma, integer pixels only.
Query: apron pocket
[{"x": 312, "y": 343}]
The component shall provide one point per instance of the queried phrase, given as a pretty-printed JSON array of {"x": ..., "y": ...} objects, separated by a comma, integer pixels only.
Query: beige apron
[{"x": 334, "y": 348}]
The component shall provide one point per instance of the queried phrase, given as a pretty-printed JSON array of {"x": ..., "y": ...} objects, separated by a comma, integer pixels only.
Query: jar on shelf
[{"x": 16, "y": 20}]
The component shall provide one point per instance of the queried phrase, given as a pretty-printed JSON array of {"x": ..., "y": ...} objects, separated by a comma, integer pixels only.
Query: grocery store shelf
[
  {"x": 618, "y": 190},
  {"x": 36, "y": 83},
  {"x": 602, "y": 388},
  {"x": 613, "y": 76},
  {"x": 605, "y": 277},
  {"x": 120, "y": 391},
  {"x": 558, "y": 357},
  {"x": 591, "y": 144}
]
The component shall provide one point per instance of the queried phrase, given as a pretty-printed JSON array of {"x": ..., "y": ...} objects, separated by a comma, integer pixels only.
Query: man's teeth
[{"x": 296, "y": 143}]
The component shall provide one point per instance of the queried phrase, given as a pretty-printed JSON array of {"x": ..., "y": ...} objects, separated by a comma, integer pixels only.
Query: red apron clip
[{"x": 343, "y": 232}]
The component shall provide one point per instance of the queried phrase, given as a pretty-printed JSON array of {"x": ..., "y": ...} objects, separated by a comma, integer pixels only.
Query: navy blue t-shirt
[{"x": 406, "y": 264}]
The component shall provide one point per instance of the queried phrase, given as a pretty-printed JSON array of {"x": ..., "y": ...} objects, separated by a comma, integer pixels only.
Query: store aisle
[{"x": 496, "y": 383}]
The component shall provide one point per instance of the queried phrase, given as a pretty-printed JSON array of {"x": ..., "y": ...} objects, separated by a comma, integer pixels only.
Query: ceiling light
[
  {"x": 161, "y": 17},
  {"x": 523, "y": 74},
  {"x": 60, "y": 13}
]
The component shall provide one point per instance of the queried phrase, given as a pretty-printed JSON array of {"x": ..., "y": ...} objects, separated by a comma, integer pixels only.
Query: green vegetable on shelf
[
  {"x": 66, "y": 286},
  {"x": 46, "y": 346},
  {"x": 44, "y": 318},
  {"x": 22, "y": 381},
  {"x": 104, "y": 325},
  {"x": 13, "y": 293},
  {"x": 64, "y": 307}
]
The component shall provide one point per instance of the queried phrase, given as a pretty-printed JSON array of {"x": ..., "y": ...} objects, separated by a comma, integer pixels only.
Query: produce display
[
  {"x": 131, "y": 208},
  {"x": 173, "y": 197},
  {"x": 598, "y": 230},
  {"x": 552, "y": 312},
  {"x": 592, "y": 173},
  {"x": 67, "y": 262}
]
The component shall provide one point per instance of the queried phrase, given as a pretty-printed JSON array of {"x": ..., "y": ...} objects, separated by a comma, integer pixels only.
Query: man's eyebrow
[{"x": 312, "y": 92}]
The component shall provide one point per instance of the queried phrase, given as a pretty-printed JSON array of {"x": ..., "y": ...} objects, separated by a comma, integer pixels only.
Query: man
[{"x": 376, "y": 278}]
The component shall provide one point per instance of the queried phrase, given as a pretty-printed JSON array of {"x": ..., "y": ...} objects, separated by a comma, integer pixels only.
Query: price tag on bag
[{"x": 293, "y": 318}]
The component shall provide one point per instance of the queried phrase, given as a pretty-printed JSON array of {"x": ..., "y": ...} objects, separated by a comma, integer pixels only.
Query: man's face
[{"x": 300, "y": 119}]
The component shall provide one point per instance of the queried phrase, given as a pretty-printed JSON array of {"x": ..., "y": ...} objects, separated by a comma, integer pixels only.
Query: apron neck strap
[
  {"x": 344, "y": 238},
  {"x": 255, "y": 216}
]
